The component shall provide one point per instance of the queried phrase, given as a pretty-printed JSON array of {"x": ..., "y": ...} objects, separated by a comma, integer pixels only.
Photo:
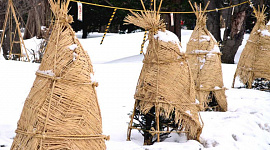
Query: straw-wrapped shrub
[
  {"x": 204, "y": 59},
  {"x": 254, "y": 62},
  {"x": 61, "y": 110},
  {"x": 165, "y": 89}
]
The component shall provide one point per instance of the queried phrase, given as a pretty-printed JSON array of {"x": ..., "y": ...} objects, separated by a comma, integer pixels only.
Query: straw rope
[
  {"x": 161, "y": 12},
  {"x": 254, "y": 60},
  {"x": 204, "y": 59},
  {"x": 165, "y": 81},
  {"x": 61, "y": 110}
]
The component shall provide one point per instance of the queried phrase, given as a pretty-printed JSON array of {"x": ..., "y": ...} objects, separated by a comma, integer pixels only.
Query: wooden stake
[
  {"x": 206, "y": 7},
  {"x": 154, "y": 5},
  {"x": 143, "y": 6},
  {"x": 131, "y": 122},
  {"x": 157, "y": 121},
  {"x": 159, "y": 6},
  {"x": 19, "y": 32}
]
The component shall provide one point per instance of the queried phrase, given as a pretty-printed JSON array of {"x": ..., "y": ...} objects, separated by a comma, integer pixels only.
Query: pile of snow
[
  {"x": 117, "y": 66},
  {"x": 73, "y": 47},
  {"x": 168, "y": 36},
  {"x": 264, "y": 32}
]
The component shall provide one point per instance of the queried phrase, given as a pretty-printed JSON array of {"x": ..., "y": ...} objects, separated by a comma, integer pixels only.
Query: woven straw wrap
[
  {"x": 61, "y": 110},
  {"x": 205, "y": 63},
  {"x": 165, "y": 81},
  {"x": 255, "y": 58}
]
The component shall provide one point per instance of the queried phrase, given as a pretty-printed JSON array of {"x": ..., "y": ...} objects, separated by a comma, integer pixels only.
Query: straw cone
[
  {"x": 165, "y": 81},
  {"x": 254, "y": 61},
  {"x": 61, "y": 110},
  {"x": 204, "y": 59}
]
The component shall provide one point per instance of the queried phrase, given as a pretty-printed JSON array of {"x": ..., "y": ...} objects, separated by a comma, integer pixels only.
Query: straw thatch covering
[
  {"x": 204, "y": 59},
  {"x": 255, "y": 58},
  {"x": 165, "y": 82},
  {"x": 61, "y": 110}
]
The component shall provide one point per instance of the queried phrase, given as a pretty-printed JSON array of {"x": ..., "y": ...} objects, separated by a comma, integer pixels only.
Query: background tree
[
  {"x": 238, "y": 20},
  {"x": 38, "y": 15},
  {"x": 95, "y": 18},
  {"x": 235, "y": 22},
  {"x": 213, "y": 18},
  {"x": 173, "y": 6},
  {"x": 20, "y": 7}
]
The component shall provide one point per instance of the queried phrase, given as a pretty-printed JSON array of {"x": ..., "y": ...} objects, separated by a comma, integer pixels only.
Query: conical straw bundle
[
  {"x": 254, "y": 61},
  {"x": 61, "y": 110},
  {"x": 165, "y": 81},
  {"x": 204, "y": 59}
]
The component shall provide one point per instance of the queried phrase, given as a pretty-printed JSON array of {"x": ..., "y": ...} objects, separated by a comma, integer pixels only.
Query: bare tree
[
  {"x": 235, "y": 20},
  {"x": 38, "y": 15},
  {"x": 213, "y": 18},
  {"x": 173, "y": 25}
]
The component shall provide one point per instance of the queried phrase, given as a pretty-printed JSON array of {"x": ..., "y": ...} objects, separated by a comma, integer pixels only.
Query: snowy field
[{"x": 117, "y": 64}]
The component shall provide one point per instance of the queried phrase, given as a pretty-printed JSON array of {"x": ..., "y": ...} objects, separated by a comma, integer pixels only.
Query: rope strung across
[{"x": 164, "y": 12}]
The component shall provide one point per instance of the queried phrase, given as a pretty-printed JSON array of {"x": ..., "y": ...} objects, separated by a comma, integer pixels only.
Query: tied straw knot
[
  {"x": 156, "y": 29},
  {"x": 107, "y": 138},
  {"x": 95, "y": 84},
  {"x": 66, "y": 19},
  {"x": 69, "y": 19}
]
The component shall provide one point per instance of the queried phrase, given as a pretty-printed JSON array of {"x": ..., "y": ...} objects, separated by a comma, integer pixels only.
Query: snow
[
  {"x": 46, "y": 72},
  {"x": 1, "y": 56},
  {"x": 217, "y": 88},
  {"x": 240, "y": 49},
  {"x": 264, "y": 32},
  {"x": 73, "y": 47},
  {"x": 74, "y": 56},
  {"x": 188, "y": 112},
  {"x": 202, "y": 60},
  {"x": 117, "y": 65},
  {"x": 205, "y": 38},
  {"x": 168, "y": 36}
]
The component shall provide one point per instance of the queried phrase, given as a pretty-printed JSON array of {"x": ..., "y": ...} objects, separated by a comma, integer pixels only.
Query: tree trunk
[
  {"x": 2, "y": 13},
  {"x": 235, "y": 29},
  {"x": 176, "y": 27},
  {"x": 6, "y": 43},
  {"x": 38, "y": 16},
  {"x": 33, "y": 26},
  {"x": 213, "y": 19},
  {"x": 85, "y": 32}
]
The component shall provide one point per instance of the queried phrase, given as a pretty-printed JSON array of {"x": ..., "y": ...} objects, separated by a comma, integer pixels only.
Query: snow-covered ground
[{"x": 117, "y": 64}]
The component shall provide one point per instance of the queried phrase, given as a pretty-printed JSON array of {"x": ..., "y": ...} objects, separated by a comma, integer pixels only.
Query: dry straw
[
  {"x": 255, "y": 58},
  {"x": 204, "y": 59},
  {"x": 165, "y": 82},
  {"x": 61, "y": 110}
]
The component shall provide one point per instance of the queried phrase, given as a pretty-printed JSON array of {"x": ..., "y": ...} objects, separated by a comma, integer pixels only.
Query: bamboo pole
[
  {"x": 159, "y": 7},
  {"x": 157, "y": 121},
  {"x": 19, "y": 31},
  {"x": 143, "y": 5},
  {"x": 131, "y": 122}
]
